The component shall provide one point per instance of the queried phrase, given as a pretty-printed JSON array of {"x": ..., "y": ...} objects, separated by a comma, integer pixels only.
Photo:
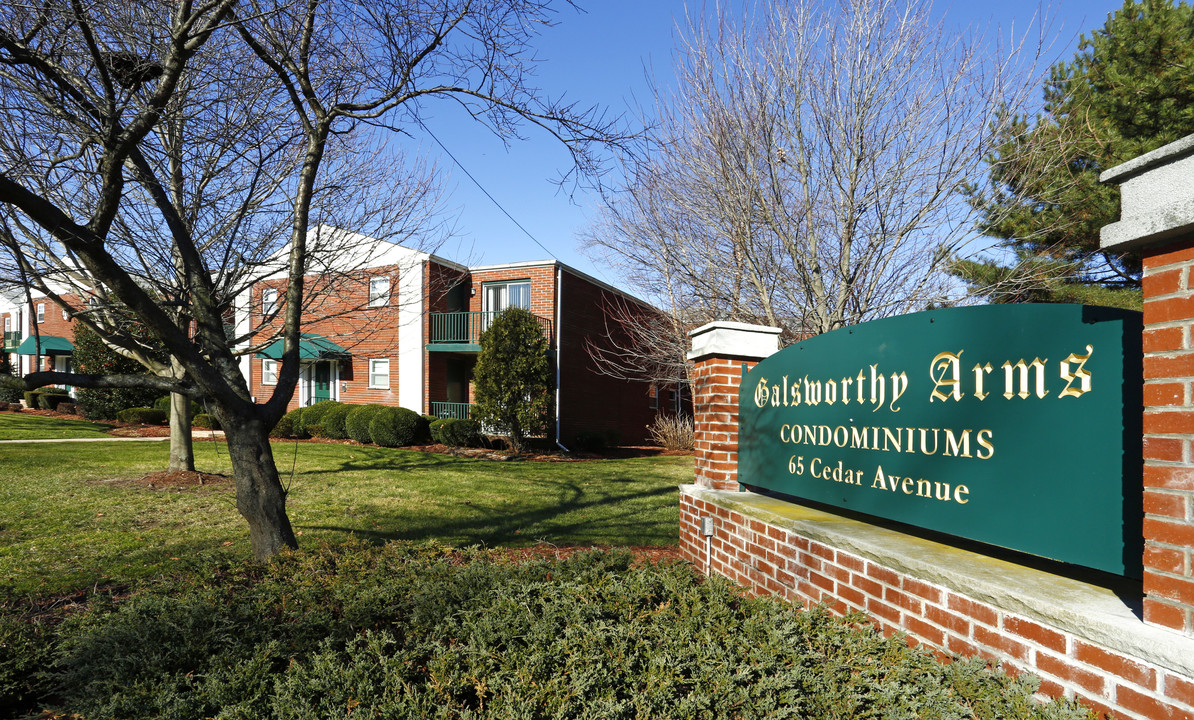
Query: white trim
[
  {"x": 372, "y": 372},
  {"x": 411, "y": 351}
]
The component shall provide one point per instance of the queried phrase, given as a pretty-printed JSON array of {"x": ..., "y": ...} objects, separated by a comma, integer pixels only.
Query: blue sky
[{"x": 601, "y": 56}]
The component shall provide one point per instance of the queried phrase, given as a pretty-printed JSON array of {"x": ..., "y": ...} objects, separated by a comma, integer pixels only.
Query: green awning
[
  {"x": 311, "y": 347},
  {"x": 50, "y": 345}
]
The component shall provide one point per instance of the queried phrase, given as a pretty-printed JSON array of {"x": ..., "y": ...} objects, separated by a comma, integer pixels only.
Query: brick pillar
[
  {"x": 719, "y": 350},
  {"x": 1157, "y": 219}
]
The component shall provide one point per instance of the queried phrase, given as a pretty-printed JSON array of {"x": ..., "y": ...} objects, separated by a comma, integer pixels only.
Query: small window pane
[
  {"x": 520, "y": 295},
  {"x": 379, "y": 292},
  {"x": 41, "y": 312},
  {"x": 379, "y": 374},
  {"x": 269, "y": 301},
  {"x": 269, "y": 372}
]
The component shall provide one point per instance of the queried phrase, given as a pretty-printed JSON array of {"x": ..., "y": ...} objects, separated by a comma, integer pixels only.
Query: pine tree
[
  {"x": 1127, "y": 91},
  {"x": 512, "y": 379}
]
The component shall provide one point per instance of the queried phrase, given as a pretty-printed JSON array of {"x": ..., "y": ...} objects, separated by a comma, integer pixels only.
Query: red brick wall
[
  {"x": 715, "y": 385},
  {"x": 338, "y": 310},
  {"x": 1168, "y": 428},
  {"x": 592, "y": 401},
  {"x": 772, "y": 560}
]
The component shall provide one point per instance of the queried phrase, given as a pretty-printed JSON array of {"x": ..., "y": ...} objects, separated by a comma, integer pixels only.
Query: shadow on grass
[{"x": 575, "y": 516}]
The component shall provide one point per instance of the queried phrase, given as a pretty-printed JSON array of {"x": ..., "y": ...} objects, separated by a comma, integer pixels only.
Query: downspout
[{"x": 559, "y": 347}]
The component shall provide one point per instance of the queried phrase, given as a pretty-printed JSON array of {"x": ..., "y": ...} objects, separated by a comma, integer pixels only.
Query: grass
[
  {"x": 73, "y": 515},
  {"x": 24, "y": 426}
]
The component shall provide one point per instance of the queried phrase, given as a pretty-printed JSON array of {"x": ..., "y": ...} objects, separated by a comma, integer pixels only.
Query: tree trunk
[
  {"x": 260, "y": 497},
  {"x": 182, "y": 453}
]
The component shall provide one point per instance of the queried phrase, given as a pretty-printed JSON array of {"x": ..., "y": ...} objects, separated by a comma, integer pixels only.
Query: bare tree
[
  {"x": 804, "y": 171},
  {"x": 123, "y": 171}
]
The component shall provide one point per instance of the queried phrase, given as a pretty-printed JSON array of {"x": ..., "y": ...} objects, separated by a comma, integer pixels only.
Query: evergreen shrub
[
  {"x": 456, "y": 432},
  {"x": 92, "y": 356},
  {"x": 333, "y": 421},
  {"x": 142, "y": 416},
  {"x": 290, "y": 425},
  {"x": 313, "y": 415},
  {"x": 204, "y": 420},
  {"x": 12, "y": 389},
  {"x": 51, "y": 398},
  {"x": 356, "y": 424},
  {"x": 402, "y": 632},
  {"x": 394, "y": 426}
]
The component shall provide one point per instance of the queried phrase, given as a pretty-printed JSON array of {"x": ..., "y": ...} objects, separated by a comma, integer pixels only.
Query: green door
[{"x": 322, "y": 385}]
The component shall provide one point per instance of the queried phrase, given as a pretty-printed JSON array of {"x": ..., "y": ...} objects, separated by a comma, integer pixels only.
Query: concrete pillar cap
[{"x": 724, "y": 338}]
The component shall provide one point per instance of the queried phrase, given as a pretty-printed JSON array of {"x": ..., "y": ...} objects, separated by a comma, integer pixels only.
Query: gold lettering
[
  {"x": 907, "y": 485},
  {"x": 955, "y": 446},
  {"x": 1081, "y": 374},
  {"x": 922, "y": 488},
  {"x": 923, "y": 436},
  {"x": 984, "y": 440},
  {"x": 880, "y": 481},
  {"x": 861, "y": 378},
  {"x": 812, "y": 391},
  {"x": 890, "y": 438},
  {"x": 937, "y": 486},
  {"x": 846, "y": 390},
  {"x": 979, "y": 371},
  {"x": 1009, "y": 373},
  {"x": 959, "y": 491},
  {"x": 781, "y": 433},
  {"x": 945, "y": 364},
  {"x": 785, "y": 390},
  {"x": 830, "y": 392},
  {"x": 899, "y": 383},
  {"x": 761, "y": 393},
  {"x": 878, "y": 388},
  {"x": 858, "y": 438}
]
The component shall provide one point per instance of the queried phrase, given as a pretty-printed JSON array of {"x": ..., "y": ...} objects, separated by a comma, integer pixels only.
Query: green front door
[{"x": 322, "y": 382}]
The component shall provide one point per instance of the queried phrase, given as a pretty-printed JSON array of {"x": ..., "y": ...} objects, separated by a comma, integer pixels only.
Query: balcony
[
  {"x": 12, "y": 340},
  {"x": 461, "y": 331},
  {"x": 460, "y": 411}
]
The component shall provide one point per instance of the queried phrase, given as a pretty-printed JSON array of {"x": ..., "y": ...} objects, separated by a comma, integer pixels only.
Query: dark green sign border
[{"x": 1013, "y": 425}]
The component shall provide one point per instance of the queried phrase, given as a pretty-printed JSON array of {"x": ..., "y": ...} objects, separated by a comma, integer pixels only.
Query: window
[
  {"x": 269, "y": 301},
  {"x": 7, "y": 324},
  {"x": 379, "y": 293},
  {"x": 379, "y": 374},
  {"x": 41, "y": 313},
  {"x": 653, "y": 398},
  {"x": 269, "y": 372},
  {"x": 64, "y": 315},
  {"x": 499, "y": 296}
]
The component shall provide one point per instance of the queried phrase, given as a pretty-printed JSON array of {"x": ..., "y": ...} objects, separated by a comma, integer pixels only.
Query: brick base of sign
[{"x": 1081, "y": 639}]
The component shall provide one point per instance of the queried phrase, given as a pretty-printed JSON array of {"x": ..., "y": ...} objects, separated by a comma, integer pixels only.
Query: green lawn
[
  {"x": 24, "y": 426},
  {"x": 72, "y": 515}
]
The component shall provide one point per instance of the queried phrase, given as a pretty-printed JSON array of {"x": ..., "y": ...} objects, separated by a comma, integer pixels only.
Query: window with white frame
[
  {"x": 41, "y": 312},
  {"x": 269, "y": 301},
  {"x": 64, "y": 315},
  {"x": 269, "y": 372},
  {"x": 7, "y": 324},
  {"x": 499, "y": 296},
  {"x": 379, "y": 291},
  {"x": 379, "y": 374}
]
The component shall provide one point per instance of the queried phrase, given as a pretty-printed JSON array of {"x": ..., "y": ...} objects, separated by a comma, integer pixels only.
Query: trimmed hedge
[
  {"x": 142, "y": 416},
  {"x": 290, "y": 425},
  {"x": 333, "y": 421},
  {"x": 456, "y": 432},
  {"x": 356, "y": 424},
  {"x": 394, "y": 426},
  {"x": 50, "y": 400},
  {"x": 163, "y": 404},
  {"x": 400, "y": 632},
  {"x": 313, "y": 415},
  {"x": 203, "y": 420}
]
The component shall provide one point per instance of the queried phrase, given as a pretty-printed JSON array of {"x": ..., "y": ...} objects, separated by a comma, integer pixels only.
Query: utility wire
[{"x": 482, "y": 189}]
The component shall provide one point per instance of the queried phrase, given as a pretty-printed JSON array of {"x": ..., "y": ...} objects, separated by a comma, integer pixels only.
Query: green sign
[{"x": 1013, "y": 425}]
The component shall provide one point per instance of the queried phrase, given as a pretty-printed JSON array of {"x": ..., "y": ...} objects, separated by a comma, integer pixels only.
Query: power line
[{"x": 482, "y": 189}]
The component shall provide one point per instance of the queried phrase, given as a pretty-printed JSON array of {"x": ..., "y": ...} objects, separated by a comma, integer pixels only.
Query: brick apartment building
[
  {"x": 50, "y": 347},
  {"x": 402, "y": 328}
]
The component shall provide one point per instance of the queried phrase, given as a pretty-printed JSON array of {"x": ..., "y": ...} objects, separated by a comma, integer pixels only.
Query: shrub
[
  {"x": 356, "y": 424},
  {"x": 591, "y": 636},
  {"x": 290, "y": 425},
  {"x": 163, "y": 404},
  {"x": 333, "y": 421},
  {"x": 31, "y": 397},
  {"x": 52, "y": 398},
  {"x": 673, "y": 432},
  {"x": 456, "y": 432},
  {"x": 313, "y": 416},
  {"x": 512, "y": 379},
  {"x": 203, "y": 420},
  {"x": 92, "y": 356},
  {"x": 12, "y": 389},
  {"x": 68, "y": 408},
  {"x": 142, "y": 416},
  {"x": 394, "y": 426}
]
